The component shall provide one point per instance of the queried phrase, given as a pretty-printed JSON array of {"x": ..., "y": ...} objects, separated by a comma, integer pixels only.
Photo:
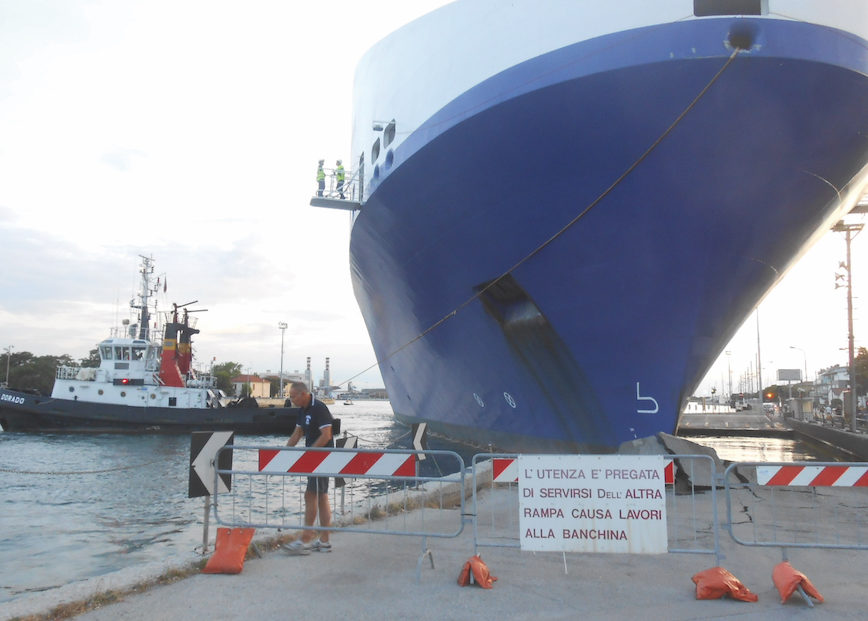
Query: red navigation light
[{"x": 125, "y": 381}]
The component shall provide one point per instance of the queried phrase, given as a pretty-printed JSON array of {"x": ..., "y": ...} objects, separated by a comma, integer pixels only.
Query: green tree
[
  {"x": 274, "y": 386},
  {"x": 224, "y": 373},
  {"x": 773, "y": 393},
  {"x": 860, "y": 362},
  {"x": 16, "y": 360},
  {"x": 35, "y": 373},
  {"x": 92, "y": 361}
]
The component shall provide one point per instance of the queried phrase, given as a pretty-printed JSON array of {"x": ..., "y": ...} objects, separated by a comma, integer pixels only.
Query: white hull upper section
[
  {"x": 129, "y": 374},
  {"x": 135, "y": 396},
  {"x": 418, "y": 69}
]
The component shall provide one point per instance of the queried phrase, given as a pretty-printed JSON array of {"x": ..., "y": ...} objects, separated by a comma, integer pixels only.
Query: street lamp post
[
  {"x": 282, "y": 327},
  {"x": 810, "y": 392},
  {"x": 8, "y": 357},
  {"x": 805, "y": 356}
]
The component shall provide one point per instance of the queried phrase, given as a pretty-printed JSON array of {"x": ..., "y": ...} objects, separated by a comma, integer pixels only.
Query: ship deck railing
[
  {"x": 203, "y": 381},
  {"x": 91, "y": 374},
  {"x": 72, "y": 373}
]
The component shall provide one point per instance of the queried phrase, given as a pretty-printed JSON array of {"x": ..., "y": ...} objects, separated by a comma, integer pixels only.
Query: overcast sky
[{"x": 189, "y": 131}]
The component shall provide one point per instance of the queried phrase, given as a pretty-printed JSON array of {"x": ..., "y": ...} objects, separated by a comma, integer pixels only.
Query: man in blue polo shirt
[{"x": 315, "y": 424}]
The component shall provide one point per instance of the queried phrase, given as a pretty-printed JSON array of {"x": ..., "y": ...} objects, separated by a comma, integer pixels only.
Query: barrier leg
[
  {"x": 426, "y": 551},
  {"x": 805, "y": 596},
  {"x": 205, "y": 525}
]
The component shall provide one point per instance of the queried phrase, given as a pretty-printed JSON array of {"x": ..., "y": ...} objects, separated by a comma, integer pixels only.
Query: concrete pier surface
[
  {"x": 754, "y": 422},
  {"x": 370, "y": 576}
]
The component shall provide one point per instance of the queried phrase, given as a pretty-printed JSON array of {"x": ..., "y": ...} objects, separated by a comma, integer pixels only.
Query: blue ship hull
[{"x": 632, "y": 242}]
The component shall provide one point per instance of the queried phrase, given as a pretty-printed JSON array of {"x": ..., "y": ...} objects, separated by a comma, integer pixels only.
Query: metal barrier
[
  {"x": 375, "y": 491},
  {"x": 501, "y": 471},
  {"x": 692, "y": 521},
  {"x": 692, "y": 517},
  {"x": 794, "y": 505},
  {"x": 771, "y": 504}
]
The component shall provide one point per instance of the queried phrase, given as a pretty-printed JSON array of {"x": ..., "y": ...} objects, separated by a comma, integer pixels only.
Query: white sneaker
[
  {"x": 321, "y": 546},
  {"x": 297, "y": 548}
]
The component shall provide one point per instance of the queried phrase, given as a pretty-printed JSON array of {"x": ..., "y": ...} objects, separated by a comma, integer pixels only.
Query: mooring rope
[
  {"x": 567, "y": 226},
  {"x": 376, "y": 443},
  {"x": 76, "y": 472}
]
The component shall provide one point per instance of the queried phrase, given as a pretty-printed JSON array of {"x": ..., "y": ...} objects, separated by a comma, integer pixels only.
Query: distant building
[
  {"x": 251, "y": 385},
  {"x": 375, "y": 393},
  {"x": 831, "y": 383},
  {"x": 365, "y": 393},
  {"x": 288, "y": 379}
]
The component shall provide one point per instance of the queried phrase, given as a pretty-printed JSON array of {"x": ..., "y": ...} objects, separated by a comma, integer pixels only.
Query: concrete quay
[
  {"x": 736, "y": 423},
  {"x": 832, "y": 431},
  {"x": 370, "y": 576},
  {"x": 854, "y": 443}
]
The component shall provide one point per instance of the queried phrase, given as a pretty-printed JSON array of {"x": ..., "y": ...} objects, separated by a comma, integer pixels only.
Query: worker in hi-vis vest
[
  {"x": 320, "y": 178},
  {"x": 340, "y": 175}
]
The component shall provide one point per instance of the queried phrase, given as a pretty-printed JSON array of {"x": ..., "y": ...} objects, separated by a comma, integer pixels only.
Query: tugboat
[{"x": 141, "y": 385}]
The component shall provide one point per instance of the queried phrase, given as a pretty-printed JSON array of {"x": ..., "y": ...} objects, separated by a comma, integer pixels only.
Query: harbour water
[
  {"x": 74, "y": 507},
  {"x": 770, "y": 449},
  {"x": 78, "y": 506}
]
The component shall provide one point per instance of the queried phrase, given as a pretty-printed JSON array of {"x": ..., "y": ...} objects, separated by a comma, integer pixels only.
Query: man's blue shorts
[{"x": 320, "y": 485}]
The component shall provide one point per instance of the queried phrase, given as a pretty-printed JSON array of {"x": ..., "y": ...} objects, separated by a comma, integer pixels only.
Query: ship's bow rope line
[{"x": 77, "y": 472}]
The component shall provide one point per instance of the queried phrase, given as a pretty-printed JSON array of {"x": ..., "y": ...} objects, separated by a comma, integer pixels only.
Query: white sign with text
[{"x": 592, "y": 503}]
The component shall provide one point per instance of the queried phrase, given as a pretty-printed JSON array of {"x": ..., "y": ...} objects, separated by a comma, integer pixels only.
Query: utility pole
[
  {"x": 847, "y": 229},
  {"x": 759, "y": 366},
  {"x": 729, "y": 371},
  {"x": 804, "y": 380},
  {"x": 282, "y": 327}
]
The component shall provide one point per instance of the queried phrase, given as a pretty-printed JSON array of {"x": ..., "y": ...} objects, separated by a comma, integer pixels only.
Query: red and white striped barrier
[
  {"x": 337, "y": 463},
  {"x": 669, "y": 472},
  {"x": 813, "y": 476},
  {"x": 505, "y": 470}
]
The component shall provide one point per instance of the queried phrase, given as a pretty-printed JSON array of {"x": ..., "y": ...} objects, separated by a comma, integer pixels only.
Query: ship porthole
[
  {"x": 153, "y": 396},
  {"x": 509, "y": 400},
  {"x": 99, "y": 391},
  {"x": 479, "y": 400},
  {"x": 123, "y": 394},
  {"x": 72, "y": 389}
]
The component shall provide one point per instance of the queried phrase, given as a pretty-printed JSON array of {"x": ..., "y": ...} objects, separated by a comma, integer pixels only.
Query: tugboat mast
[{"x": 146, "y": 270}]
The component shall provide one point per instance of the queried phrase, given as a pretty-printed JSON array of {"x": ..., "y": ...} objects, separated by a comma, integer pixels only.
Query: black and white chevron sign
[
  {"x": 420, "y": 439},
  {"x": 203, "y": 449}
]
